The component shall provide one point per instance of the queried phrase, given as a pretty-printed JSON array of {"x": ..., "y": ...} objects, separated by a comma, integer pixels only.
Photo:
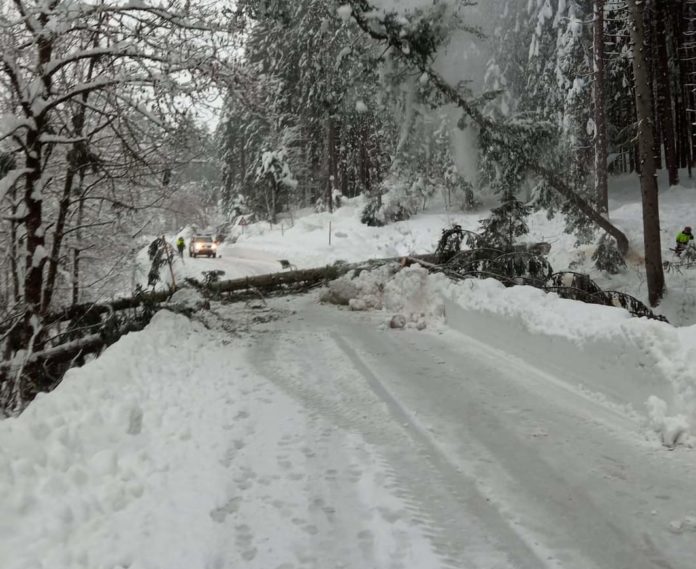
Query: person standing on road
[{"x": 180, "y": 246}]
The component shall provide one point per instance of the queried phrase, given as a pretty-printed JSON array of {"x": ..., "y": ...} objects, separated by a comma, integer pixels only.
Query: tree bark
[
  {"x": 664, "y": 95},
  {"x": 600, "y": 146},
  {"x": 14, "y": 268},
  {"x": 646, "y": 143},
  {"x": 58, "y": 234}
]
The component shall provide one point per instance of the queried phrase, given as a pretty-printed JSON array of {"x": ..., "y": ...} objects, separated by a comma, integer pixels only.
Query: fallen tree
[
  {"x": 303, "y": 277},
  {"x": 417, "y": 45},
  {"x": 83, "y": 330}
]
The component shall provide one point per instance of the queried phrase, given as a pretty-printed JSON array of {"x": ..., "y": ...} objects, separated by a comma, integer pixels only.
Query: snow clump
[
  {"x": 416, "y": 295},
  {"x": 345, "y": 12},
  {"x": 412, "y": 295},
  {"x": 188, "y": 298},
  {"x": 360, "y": 290}
]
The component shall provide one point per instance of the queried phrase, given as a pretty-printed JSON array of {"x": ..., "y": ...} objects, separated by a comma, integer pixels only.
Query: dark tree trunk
[
  {"x": 664, "y": 94},
  {"x": 77, "y": 250},
  {"x": 14, "y": 252},
  {"x": 58, "y": 234},
  {"x": 35, "y": 258},
  {"x": 646, "y": 142},
  {"x": 600, "y": 145},
  {"x": 688, "y": 63},
  {"x": 650, "y": 42}
]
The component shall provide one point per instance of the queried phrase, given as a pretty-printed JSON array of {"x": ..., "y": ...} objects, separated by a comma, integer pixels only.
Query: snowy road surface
[
  {"x": 501, "y": 465},
  {"x": 303, "y": 436},
  {"x": 234, "y": 261}
]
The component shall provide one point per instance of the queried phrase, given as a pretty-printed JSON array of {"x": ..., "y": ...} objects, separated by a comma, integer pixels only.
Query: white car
[{"x": 202, "y": 245}]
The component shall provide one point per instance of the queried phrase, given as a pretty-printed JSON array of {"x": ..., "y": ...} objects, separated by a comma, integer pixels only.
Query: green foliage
[
  {"x": 506, "y": 223},
  {"x": 607, "y": 256}
]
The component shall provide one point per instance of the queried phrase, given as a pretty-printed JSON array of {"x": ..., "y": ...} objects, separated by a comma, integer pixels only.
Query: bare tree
[{"x": 94, "y": 93}]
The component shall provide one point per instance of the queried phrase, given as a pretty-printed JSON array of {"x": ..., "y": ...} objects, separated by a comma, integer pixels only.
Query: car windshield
[{"x": 203, "y": 239}]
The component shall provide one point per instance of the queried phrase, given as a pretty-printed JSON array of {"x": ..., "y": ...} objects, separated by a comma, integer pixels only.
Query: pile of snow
[
  {"x": 97, "y": 473},
  {"x": 360, "y": 290},
  {"x": 189, "y": 298},
  {"x": 411, "y": 295}
]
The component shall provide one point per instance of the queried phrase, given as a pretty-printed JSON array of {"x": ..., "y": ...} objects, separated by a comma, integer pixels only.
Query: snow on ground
[
  {"x": 305, "y": 241},
  {"x": 170, "y": 451},
  {"x": 644, "y": 366},
  {"x": 297, "y": 436},
  {"x": 501, "y": 428}
]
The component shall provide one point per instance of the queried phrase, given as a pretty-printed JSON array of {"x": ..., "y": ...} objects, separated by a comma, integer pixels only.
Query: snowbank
[
  {"x": 172, "y": 451},
  {"x": 642, "y": 363},
  {"x": 642, "y": 367},
  {"x": 115, "y": 466}
]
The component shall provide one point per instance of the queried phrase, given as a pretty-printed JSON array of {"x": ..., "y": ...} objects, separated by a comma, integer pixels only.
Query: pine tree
[{"x": 506, "y": 223}]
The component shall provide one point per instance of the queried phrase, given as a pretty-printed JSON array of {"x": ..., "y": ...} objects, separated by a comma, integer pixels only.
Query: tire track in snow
[
  {"x": 522, "y": 554},
  {"x": 582, "y": 534},
  {"x": 429, "y": 487}
]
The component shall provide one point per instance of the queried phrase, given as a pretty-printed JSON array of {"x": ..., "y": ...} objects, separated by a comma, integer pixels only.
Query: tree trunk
[
  {"x": 76, "y": 250},
  {"x": 600, "y": 145},
  {"x": 58, "y": 234},
  {"x": 14, "y": 252},
  {"x": 646, "y": 143},
  {"x": 35, "y": 257},
  {"x": 242, "y": 166},
  {"x": 664, "y": 95}
]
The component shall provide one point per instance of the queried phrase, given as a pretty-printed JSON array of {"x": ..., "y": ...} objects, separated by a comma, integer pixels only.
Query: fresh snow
[
  {"x": 421, "y": 423},
  {"x": 289, "y": 434}
]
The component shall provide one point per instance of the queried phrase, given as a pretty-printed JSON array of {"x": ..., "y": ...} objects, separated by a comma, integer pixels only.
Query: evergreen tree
[{"x": 506, "y": 223}]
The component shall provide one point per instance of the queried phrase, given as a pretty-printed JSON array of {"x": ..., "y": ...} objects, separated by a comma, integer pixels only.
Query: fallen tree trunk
[{"x": 308, "y": 277}]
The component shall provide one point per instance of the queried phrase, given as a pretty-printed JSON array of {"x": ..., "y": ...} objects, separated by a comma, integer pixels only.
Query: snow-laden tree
[
  {"x": 91, "y": 95},
  {"x": 307, "y": 70},
  {"x": 275, "y": 174},
  {"x": 415, "y": 40}
]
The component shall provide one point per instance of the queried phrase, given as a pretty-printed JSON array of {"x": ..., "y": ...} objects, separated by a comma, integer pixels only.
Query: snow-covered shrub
[
  {"x": 160, "y": 253},
  {"x": 400, "y": 196},
  {"x": 370, "y": 213}
]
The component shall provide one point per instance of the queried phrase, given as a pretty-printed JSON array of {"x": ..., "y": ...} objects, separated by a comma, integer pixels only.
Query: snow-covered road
[
  {"x": 501, "y": 464},
  {"x": 301, "y": 436}
]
